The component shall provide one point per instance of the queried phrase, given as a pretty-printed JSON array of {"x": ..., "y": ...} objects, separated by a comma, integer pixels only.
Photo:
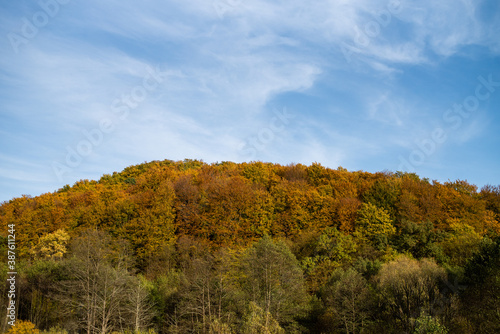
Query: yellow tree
[
  {"x": 374, "y": 224},
  {"x": 462, "y": 243},
  {"x": 51, "y": 246},
  {"x": 23, "y": 327}
]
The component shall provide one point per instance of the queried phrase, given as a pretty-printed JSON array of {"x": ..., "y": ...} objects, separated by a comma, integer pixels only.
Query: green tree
[
  {"x": 420, "y": 240},
  {"x": 209, "y": 296},
  {"x": 375, "y": 224},
  {"x": 330, "y": 250},
  {"x": 481, "y": 299},
  {"x": 41, "y": 298},
  {"x": 425, "y": 324},
  {"x": 348, "y": 300},
  {"x": 273, "y": 280},
  {"x": 462, "y": 242},
  {"x": 384, "y": 194}
]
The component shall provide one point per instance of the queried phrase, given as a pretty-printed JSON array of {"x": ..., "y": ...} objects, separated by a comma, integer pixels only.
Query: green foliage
[
  {"x": 130, "y": 180},
  {"x": 55, "y": 330},
  {"x": 368, "y": 268},
  {"x": 384, "y": 194},
  {"x": 420, "y": 240},
  {"x": 274, "y": 281},
  {"x": 462, "y": 242},
  {"x": 335, "y": 246},
  {"x": 39, "y": 296},
  {"x": 481, "y": 298},
  {"x": 375, "y": 224},
  {"x": 484, "y": 264},
  {"x": 426, "y": 324},
  {"x": 349, "y": 301},
  {"x": 329, "y": 251}
]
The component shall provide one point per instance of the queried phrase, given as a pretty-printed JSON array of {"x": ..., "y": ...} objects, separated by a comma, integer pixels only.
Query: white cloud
[
  {"x": 445, "y": 26},
  {"x": 226, "y": 68}
]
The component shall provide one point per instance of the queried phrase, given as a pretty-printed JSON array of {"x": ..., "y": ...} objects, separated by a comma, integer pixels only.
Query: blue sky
[{"x": 88, "y": 88}]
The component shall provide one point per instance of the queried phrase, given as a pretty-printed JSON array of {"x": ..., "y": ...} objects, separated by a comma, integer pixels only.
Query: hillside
[{"x": 258, "y": 247}]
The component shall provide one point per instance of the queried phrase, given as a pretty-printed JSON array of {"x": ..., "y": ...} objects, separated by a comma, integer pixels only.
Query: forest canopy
[{"x": 190, "y": 247}]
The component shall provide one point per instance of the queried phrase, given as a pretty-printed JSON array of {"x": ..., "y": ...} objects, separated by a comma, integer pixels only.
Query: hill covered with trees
[{"x": 190, "y": 247}]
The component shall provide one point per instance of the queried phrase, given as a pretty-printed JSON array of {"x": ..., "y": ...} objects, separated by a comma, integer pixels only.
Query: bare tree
[
  {"x": 141, "y": 308},
  {"x": 98, "y": 284}
]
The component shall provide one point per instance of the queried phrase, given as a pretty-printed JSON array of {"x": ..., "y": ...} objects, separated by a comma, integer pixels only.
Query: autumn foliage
[{"x": 180, "y": 230}]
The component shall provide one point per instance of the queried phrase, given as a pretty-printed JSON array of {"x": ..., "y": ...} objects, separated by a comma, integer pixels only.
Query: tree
[
  {"x": 348, "y": 300},
  {"x": 384, "y": 194},
  {"x": 462, "y": 242},
  {"x": 330, "y": 250},
  {"x": 207, "y": 302},
  {"x": 481, "y": 298},
  {"x": 426, "y": 324},
  {"x": 23, "y": 327},
  {"x": 40, "y": 297},
  {"x": 199, "y": 295},
  {"x": 51, "y": 246},
  {"x": 96, "y": 290},
  {"x": 463, "y": 187},
  {"x": 346, "y": 212},
  {"x": 491, "y": 195},
  {"x": 375, "y": 224},
  {"x": 273, "y": 281},
  {"x": 408, "y": 287},
  {"x": 420, "y": 240},
  {"x": 258, "y": 321},
  {"x": 152, "y": 228},
  {"x": 291, "y": 207},
  {"x": 190, "y": 229},
  {"x": 141, "y": 306}
]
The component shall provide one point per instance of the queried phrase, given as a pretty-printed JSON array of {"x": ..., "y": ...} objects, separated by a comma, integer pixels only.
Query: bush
[
  {"x": 23, "y": 327},
  {"x": 55, "y": 330},
  {"x": 426, "y": 324}
]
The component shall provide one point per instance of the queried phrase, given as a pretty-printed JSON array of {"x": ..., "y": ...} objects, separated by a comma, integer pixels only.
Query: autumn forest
[{"x": 191, "y": 247}]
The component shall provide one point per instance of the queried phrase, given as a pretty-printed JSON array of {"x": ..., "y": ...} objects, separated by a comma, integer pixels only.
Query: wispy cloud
[{"x": 226, "y": 72}]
